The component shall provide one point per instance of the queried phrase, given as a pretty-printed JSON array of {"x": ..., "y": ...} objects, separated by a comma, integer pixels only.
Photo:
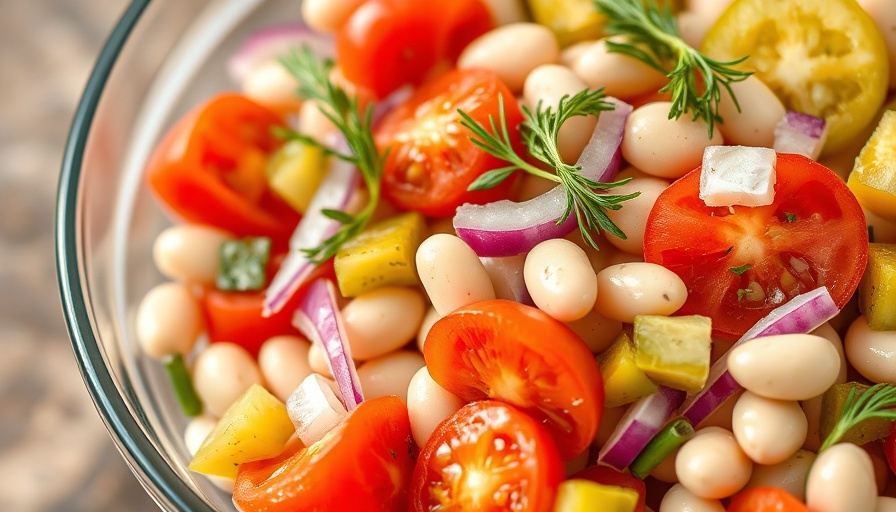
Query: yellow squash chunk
[
  {"x": 382, "y": 255},
  {"x": 877, "y": 291},
  {"x": 873, "y": 179},
  {"x": 255, "y": 427},
  {"x": 674, "y": 351},
  {"x": 624, "y": 382},
  {"x": 570, "y": 20},
  {"x": 294, "y": 173},
  {"x": 586, "y": 496}
]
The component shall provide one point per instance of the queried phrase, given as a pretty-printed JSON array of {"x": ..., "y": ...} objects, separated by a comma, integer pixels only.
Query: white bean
[
  {"x": 560, "y": 279},
  {"x": 512, "y": 51},
  {"x": 283, "y": 361},
  {"x": 693, "y": 26},
  {"x": 452, "y": 274},
  {"x": 428, "y": 405},
  {"x": 829, "y": 333},
  {"x": 432, "y": 316},
  {"x": 270, "y": 84},
  {"x": 222, "y": 373},
  {"x": 620, "y": 75},
  {"x": 189, "y": 253},
  {"x": 169, "y": 320},
  {"x": 571, "y": 54},
  {"x": 506, "y": 11},
  {"x": 841, "y": 480},
  {"x": 600, "y": 259},
  {"x": 789, "y": 475},
  {"x": 547, "y": 84},
  {"x": 884, "y": 15},
  {"x": 679, "y": 499},
  {"x": 885, "y": 504},
  {"x": 390, "y": 374},
  {"x": 382, "y": 320},
  {"x": 313, "y": 123},
  {"x": 328, "y": 15},
  {"x": 632, "y": 218},
  {"x": 630, "y": 289},
  {"x": 665, "y": 470},
  {"x": 768, "y": 431},
  {"x": 317, "y": 361},
  {"x": 712, "y": 465},
  {"x": 596, "y": 330},
  {"x": 785, "y": 367},
  {"x": 760, "y": 111},
  {"x": 663, "y": 147},
  {"x": 871, "y": 353}
]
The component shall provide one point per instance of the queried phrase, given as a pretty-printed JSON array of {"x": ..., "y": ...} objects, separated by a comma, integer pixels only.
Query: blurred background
[{"x": 55, "y": 453}]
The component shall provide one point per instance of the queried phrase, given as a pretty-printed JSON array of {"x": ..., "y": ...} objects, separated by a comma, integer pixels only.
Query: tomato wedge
[
  {"x": 364, "y": 464},
  {"x": 518, "y": 354},
  {"x": 432, "y": 160},
  {"x": 487, "y": 457},
  {"x": 740, "y": 263},
  {"x": 606, "y": 475},
  {"x": 766, "y": 499}
]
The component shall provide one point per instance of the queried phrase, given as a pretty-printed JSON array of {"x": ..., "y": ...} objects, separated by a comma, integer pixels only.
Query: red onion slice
[
  {"x": 801, "y": 134},
  {"x": 802, "y": 314},
  {"x": 637, "y": 427},
  {"x": 507, "y": 228},
  {"x": 270, "y": 42},
  {"x": 318, "y": 318}
]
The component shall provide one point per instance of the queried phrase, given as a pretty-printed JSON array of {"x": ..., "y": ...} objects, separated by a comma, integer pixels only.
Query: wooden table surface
[{"x": 55, "y": 454}]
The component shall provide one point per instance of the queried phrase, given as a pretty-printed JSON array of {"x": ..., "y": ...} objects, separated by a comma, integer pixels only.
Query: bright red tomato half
[
  {"x": 487, "y": 457},
  {"x": 432, "y": 160},
  {"x": 606, "y": 475},
  {"x": 518, "y": 354},
  {"x": 740, "y": 263},
  {"x": 364, "y": 464},
  {"x": 766, "y": 499}
]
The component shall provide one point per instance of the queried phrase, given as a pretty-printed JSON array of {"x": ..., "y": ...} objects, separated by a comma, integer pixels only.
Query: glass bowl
[{"x": 162, "y": 58}]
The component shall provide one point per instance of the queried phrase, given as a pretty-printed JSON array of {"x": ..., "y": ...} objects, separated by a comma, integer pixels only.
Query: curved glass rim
[{"x": 166, "y": 487}]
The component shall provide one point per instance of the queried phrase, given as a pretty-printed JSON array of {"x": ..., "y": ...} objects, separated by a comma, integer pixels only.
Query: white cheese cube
[
  {"x": 738, "y": 175},
  {"x": 314, "y": 408}
]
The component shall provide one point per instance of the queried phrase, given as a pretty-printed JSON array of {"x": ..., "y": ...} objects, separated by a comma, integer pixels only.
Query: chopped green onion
[
  {"x": 179, "y": 376},
  {"x": 242, "y": 264},
  {"x": 661, "y": 446}
]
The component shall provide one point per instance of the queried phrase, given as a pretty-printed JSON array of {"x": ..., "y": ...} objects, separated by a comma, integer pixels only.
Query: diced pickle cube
[
  {"x": 294, "y": 173},
  {"x": 832, "y": 403},
  {"x": 570, "y": 20},
  {"x": 586, "y": 496},
  {"x": 674, "y": 351},
  {"x": 877, "y": 292},
  {"x": 624, "y": 382}
]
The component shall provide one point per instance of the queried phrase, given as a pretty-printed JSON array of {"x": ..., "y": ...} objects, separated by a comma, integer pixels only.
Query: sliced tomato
[
  {"x": 364, "y": 464},
  {"x": 813, "y": 234},
  {"x": 610, "y": 476},
  {"x": 432, "y": 160},
  {"x": 487, "y": 457},
  {"x": 890, "y": 449},
  {"x": 518, "y": 354},
  {"x": 210, "y": 169},
  {"x": 766, "y": 499}
]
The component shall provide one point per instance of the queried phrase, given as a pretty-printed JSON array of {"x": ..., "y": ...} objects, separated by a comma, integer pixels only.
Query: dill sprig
[
  {"x": 313, "y": 76},
  {"x": 653, "y": 38},
  {"x": 539, "y": 131},
  {"x": 879, "y": 401}
]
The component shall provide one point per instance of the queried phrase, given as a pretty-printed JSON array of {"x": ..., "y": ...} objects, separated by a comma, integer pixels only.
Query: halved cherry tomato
[
  {"x": 766, "y": 499},
  {"x": 610, "y": 476},
  {"x": 364, "y": 464},
  {"x": 432, "y": 160},
  {"x": 385, "y": 44},
  {"x": 487, "y": 457},
  {"x": 210, "y": 169},
  {"x": 890, "y": 449},
  {"x": 518, "y": 354},
  {"x": 812, "y": 235}
]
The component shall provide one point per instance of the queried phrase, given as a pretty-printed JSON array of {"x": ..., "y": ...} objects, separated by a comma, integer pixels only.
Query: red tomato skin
[
  {"x": 606, "y": 475},
  {"x": 765, "y": 499},
  {"x": 890, "y": 449},
  {"x": 210, "y": 169},
  {"x": 433, "y": 177},
  {"x": 701, "y": 244},
  {"x": 364, "y": 464}
]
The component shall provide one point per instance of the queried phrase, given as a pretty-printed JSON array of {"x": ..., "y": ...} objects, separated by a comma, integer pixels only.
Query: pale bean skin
[
  {"x": 632, "y": 218},
  {"x": 283, "y": 361},
  {"x": 789, "y": 474},
  {"x": 560, "y": 279},
  {"x": 768, "y": 431},
  {"x": 665, "y": 470},
  {"x": 270, "y": 84},
  {"x": 382, "y": 320},
  {"x": 842, "y": 480},
  {"x": 812, "y": 406},
  {"x": 885, "y": 504},
  {"x": 197, "y": 430},
  {"x": 452, "y": 274},
  {"x": 548, "y": 84},
  {"x": 512, "y": 51},
  {"x": 428, "y": 405},
  {"x": 599, "y": 259},
  {"x": 189, "y": 253},
  {"x": 328, "y": 15},
  {"x": 169, "y": 319},
  {"x": 884, "y": 15},
  {"x": 506, "y": 11},
  {"x": 712, "y": 465},
  {"x": 313, "y": 123},
  {"x": 532, "y": 186},
  {"x": 630, "y": 289},
  {"x": 431, "y": 317},
  {"x": 390, "y": 374},
  {"x": 222, "y": 373},
  {"x": 572, "y": 53},
  {"x": 760, "y": 112},
  {"x": 693, "y": 27},
  {"x": 620, "y": 75},
  {"x": 663, "y": 147},
  {"x": 596, "y": 330},
  {"x": 679, "y": 499},
  {"x": 785, "y": 367},
  {"x": 317, "y": 361},
  {"x": 871, "y": 353}
]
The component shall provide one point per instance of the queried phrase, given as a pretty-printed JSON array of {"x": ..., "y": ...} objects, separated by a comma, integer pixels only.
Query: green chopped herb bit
[
  {"x": 741, "y": 269},
  {"x": 242, "y": 264},
  {"x": 661, "y": 446},
  {"x": 743, "y": 292},
  {"x": 179, "y": 376},
  {"x": 789, "y": 217}
]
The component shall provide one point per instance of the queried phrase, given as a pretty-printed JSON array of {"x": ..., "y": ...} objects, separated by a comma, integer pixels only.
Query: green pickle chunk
[
  {"x": 832, "y": 403},
  {"x": 674, "y": 351},
  {"x": 877, "y": 292}
]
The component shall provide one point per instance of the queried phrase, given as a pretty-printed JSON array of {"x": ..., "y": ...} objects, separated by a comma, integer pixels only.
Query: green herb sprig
[
  {"x": 879, "y": 401},
  {"x": 343, "y": 111},
  {"x": 539, "y": 131},
  {"x": 653, "y": 38}
]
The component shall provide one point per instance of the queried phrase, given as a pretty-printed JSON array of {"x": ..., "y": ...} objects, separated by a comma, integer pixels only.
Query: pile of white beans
[{"x": 765, "y": 436}]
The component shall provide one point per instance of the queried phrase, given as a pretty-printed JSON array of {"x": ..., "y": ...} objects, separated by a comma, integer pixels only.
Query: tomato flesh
[
  {"x": 489, "y": 456},
  {"x": 812, "y": 235},
  {"x": 518, "y": 354},
  {"x": 766, "y": 499}
]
